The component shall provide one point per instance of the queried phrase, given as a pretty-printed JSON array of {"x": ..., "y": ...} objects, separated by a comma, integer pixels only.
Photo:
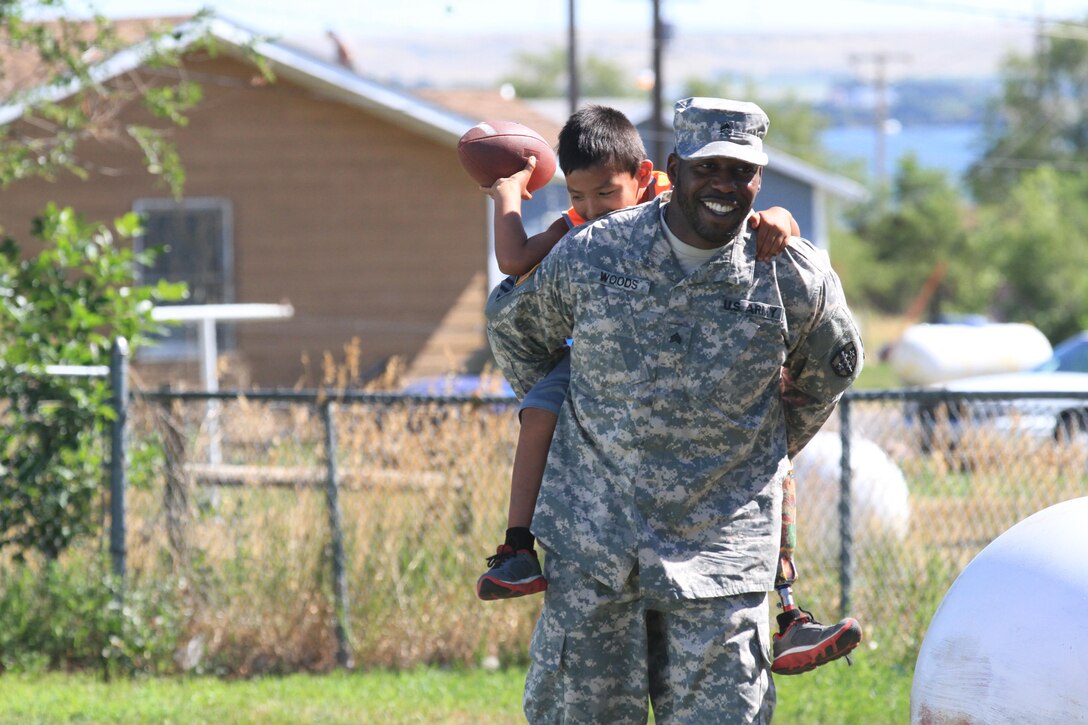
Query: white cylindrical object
[
  {"x": 879, "y": 497},
  {"x": 928, "y": 354},
  {"x": 1009, "y": 643}
]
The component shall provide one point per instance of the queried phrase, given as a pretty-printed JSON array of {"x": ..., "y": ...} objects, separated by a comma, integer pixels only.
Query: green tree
[
  {"x": 1035, "y": 252},
  {"x": 1042, "y": 115},
  {"x": 544, "y": 75},
  {"x": 719, "y": 87},
  {"x": 47, "y": 59},
  {"x": 601, "y": 78},
  {"x": 63, "y": 307},
  {"x": 66, "y": 305},
  {"x": 796, "y": 128},
  {"x": 795, "y": 125},
  {"x": 901, "y": 242}
]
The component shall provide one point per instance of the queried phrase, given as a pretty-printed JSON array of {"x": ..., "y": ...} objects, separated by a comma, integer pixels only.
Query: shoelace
[
  {"x": 806, "y": 613},
  {"x": 499, "y": 557},
  {"x": 804, "y": 616}
]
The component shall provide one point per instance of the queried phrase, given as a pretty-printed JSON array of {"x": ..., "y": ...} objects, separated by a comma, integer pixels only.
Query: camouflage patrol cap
[{"x": 720, "y": 127}]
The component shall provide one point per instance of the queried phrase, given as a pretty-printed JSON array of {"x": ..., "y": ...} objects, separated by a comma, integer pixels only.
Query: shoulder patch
[{"x": 845, "y": 361}]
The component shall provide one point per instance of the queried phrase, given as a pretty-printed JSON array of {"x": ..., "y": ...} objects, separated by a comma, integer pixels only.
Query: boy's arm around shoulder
[
  {"x": 825, "y": 352},
  {"x": 774, "y": 229},
  {"x": 529, "y": 321}
]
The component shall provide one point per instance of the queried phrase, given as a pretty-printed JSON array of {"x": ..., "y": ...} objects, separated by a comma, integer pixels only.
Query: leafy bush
[
  {"x": 71, "y": 616},
  {"x": 64, "y": 306}
]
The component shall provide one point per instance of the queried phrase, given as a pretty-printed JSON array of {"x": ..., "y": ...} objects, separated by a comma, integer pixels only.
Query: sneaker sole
[
  {"x": 838, "y": 646},
  {"x": 490, "y": 589}
]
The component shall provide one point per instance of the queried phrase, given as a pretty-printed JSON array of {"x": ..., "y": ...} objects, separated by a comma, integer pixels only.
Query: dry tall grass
[
  {"x": 243, "y": 543},
  {"x": 423, "y": 495},
  {"x": 423, "y": 498}
]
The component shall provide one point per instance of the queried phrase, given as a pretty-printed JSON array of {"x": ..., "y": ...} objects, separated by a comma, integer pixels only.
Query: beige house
[{"x": 325, "y": 190}]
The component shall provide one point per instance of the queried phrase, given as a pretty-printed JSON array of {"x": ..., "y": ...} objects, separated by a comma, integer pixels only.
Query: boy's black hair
[{"x": 600, "y": 136}]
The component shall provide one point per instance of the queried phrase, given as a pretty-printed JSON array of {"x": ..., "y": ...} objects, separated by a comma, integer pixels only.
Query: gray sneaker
[
  {"x": 804, "y": 644},
  {"x": 511, "y": 574}
]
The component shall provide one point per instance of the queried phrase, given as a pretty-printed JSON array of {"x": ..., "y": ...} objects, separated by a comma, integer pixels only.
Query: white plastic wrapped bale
[
  {"x": 879, "y": 498},
  {"x": 928, "y": 354},
  {"x": 1007, "y": 645}
]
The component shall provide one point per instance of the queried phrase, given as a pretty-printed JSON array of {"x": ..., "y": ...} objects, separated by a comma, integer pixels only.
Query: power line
[
  {"x": 968, "y": 9},
  {"x": 1027, "y": 164}
]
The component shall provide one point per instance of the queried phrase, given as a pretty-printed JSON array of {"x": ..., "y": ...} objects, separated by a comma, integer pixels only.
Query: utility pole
[
  {"x": 659, "y": 149},
  {"x": 880, "y": 63},
  {"x": 1040, "y": 44},
  {"x": 573, "y": 90}
]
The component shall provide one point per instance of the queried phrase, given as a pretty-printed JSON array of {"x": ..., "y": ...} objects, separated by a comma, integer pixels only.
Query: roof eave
[
  {"x": 345, "y": 86},
  {"x": 121, "y": 62},
  {"x": 338, "y": 83},
  {"x": 835, "y": 184}
]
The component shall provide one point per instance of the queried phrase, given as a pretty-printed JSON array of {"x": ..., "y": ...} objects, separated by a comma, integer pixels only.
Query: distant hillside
[
  {"x": 804, "y": 65},
  {"x": 911, "y": 102}
]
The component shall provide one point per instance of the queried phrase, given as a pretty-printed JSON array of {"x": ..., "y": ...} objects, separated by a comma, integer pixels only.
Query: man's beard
[{"x": 717, "y": 235}]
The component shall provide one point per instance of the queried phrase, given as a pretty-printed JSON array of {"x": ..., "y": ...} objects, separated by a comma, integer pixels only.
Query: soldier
[
  {"x": 660, "y": 509},
  {"x": 606, "y": 169}
]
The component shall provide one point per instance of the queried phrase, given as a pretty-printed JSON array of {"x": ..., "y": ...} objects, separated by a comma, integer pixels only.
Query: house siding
[
  {"x": 367, "y": 229},
  {"x": 795, "y": 195}
]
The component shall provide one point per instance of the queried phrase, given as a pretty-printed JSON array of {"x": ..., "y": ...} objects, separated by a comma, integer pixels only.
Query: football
[{"x": 494, "y": 149}]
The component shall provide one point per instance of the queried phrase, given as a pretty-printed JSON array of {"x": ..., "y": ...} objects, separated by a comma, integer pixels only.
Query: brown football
[{"x": 495, "y": 149}]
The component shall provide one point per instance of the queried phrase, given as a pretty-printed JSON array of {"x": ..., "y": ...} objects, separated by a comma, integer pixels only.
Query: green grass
[
  {"x": 876, "y": 375},
  {"x": 870, "y": 692},
  {"x": 420, "y": 696}
]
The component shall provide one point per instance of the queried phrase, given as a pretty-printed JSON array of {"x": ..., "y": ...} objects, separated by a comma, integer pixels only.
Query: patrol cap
[{"x": 720, "y": 127}]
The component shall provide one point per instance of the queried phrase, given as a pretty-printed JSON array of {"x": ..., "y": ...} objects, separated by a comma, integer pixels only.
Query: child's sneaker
[
  {"x": 803, "y": 644},
  {"x": 511, "y": 574}
]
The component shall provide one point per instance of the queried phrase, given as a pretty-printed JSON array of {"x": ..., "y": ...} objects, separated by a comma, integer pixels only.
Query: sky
[{"x": 403, "y": 17}]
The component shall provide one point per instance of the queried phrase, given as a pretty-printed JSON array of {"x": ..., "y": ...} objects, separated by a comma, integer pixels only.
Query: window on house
[{"x": 198, "y": 249}]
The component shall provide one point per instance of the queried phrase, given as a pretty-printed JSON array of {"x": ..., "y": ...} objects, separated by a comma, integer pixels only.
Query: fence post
[
  {"x": 119, "y": 401},
  {"x": 846, "y": 535},
  {"x": 339, "y": 568}
]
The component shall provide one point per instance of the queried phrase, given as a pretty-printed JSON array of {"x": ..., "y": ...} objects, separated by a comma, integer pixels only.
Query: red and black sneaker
[
  {"x": 511, "y": 574},
  {"x": 803, "y": 644}
]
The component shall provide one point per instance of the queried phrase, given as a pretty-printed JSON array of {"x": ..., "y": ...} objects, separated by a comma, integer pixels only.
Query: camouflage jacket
[{"x": 672, "y": 443}]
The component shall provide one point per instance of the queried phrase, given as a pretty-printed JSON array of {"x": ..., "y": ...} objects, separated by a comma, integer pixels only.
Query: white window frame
[{"x": 188, "y": 348}]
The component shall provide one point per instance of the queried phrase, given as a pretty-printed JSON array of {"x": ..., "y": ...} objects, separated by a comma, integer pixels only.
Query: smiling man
[
  {"x": 716, "y": 170},
  {"x": 661, "y": 506}
]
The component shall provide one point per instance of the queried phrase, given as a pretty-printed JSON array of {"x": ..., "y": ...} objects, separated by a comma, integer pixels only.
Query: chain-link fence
[
  {"x": 934, "y": 477},
  {"x": 293, "y": 558},
  {"x": 281, "y": 557},
  {"x": 298, "y": 559}
]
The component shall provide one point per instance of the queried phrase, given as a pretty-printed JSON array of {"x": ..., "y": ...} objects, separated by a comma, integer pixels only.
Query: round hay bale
[
  {"x": 879, "y": 498},
  {"x": 1007, "y": 645}
]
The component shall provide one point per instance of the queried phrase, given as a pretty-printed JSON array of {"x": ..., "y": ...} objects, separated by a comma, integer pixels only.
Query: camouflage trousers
[{"x": 602, "y": 656}]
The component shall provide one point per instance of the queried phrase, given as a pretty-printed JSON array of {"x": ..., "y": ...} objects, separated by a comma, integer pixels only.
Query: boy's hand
[
  {"x": 774, "y": 227},
  {"x": 790, "y": 394},
  {"x": 513, "y": 186}
]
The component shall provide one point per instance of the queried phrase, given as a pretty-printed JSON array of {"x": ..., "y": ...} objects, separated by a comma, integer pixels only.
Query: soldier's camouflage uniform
[{"x": 660, "y": 507}]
